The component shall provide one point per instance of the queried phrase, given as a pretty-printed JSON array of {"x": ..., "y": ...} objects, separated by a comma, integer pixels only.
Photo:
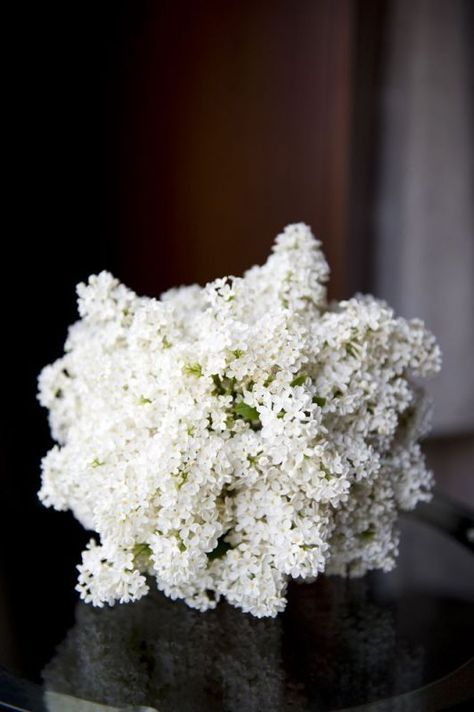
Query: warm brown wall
[{"x": 236, "y": 122}]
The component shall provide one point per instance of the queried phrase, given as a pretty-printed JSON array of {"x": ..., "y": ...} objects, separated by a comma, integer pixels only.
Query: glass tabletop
[{"x": 397, "y": 641}]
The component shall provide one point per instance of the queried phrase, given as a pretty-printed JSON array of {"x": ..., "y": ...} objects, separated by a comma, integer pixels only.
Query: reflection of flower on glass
[
  {"x": 228, "y": 438},
  {"x": 161, "y": 653},
  {"x": 333, "y": 648}
]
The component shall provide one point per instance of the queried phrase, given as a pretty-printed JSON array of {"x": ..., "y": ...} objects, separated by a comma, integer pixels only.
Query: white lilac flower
[{"x": 223, "y": 439}]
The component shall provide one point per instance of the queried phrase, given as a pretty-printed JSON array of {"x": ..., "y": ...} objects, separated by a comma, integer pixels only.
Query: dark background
[{"x": 167, "y": 142}]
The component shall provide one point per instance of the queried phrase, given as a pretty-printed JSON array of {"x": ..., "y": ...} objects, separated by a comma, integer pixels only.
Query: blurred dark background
[{"x": 169, "y": 142}]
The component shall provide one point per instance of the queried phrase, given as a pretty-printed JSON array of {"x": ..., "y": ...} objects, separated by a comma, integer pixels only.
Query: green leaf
[
  {"x": 193, "y": 369},
  {"x": 229, "y": 422},
  {"x": 181, "y": 545},
  {"x": 219, "y": 389},
  {"x": 319, "y": 401},
  {"x": 141, "y": 550},
  {"x": 143, "y": 400},
  {"x": 223, "y": 386},
  {"x": 299, "y": 380},
  {"x": 327, "y": 473},
  {"x": 247, "y": 412}
]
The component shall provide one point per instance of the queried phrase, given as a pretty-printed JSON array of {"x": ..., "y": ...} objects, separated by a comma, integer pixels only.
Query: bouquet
[{"x": 225, "y": 439}]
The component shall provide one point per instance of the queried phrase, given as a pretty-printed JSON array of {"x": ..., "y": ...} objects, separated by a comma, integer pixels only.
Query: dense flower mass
[{"x": 224, "y": 439}]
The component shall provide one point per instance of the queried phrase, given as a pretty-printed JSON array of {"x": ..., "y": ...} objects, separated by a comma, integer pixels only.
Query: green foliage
[
  {"x": 299, "y": 380},
  {"x": 246, "y": 412},
  {"x": 193, "y": 369}
]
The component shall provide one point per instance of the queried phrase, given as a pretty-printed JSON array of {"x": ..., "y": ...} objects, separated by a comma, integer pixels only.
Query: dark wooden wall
[{"x": 235, "y": 120}]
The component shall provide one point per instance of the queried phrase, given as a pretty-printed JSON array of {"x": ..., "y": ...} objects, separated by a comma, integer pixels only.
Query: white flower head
[{"x": 222, "y": 440}]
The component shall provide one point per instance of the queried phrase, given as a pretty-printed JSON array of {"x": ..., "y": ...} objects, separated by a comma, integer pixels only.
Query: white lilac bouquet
[{"x": 223, "y": 440}]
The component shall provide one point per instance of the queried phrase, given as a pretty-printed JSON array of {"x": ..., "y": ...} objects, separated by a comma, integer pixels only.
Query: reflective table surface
[{"x": 397, "y": 641}]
